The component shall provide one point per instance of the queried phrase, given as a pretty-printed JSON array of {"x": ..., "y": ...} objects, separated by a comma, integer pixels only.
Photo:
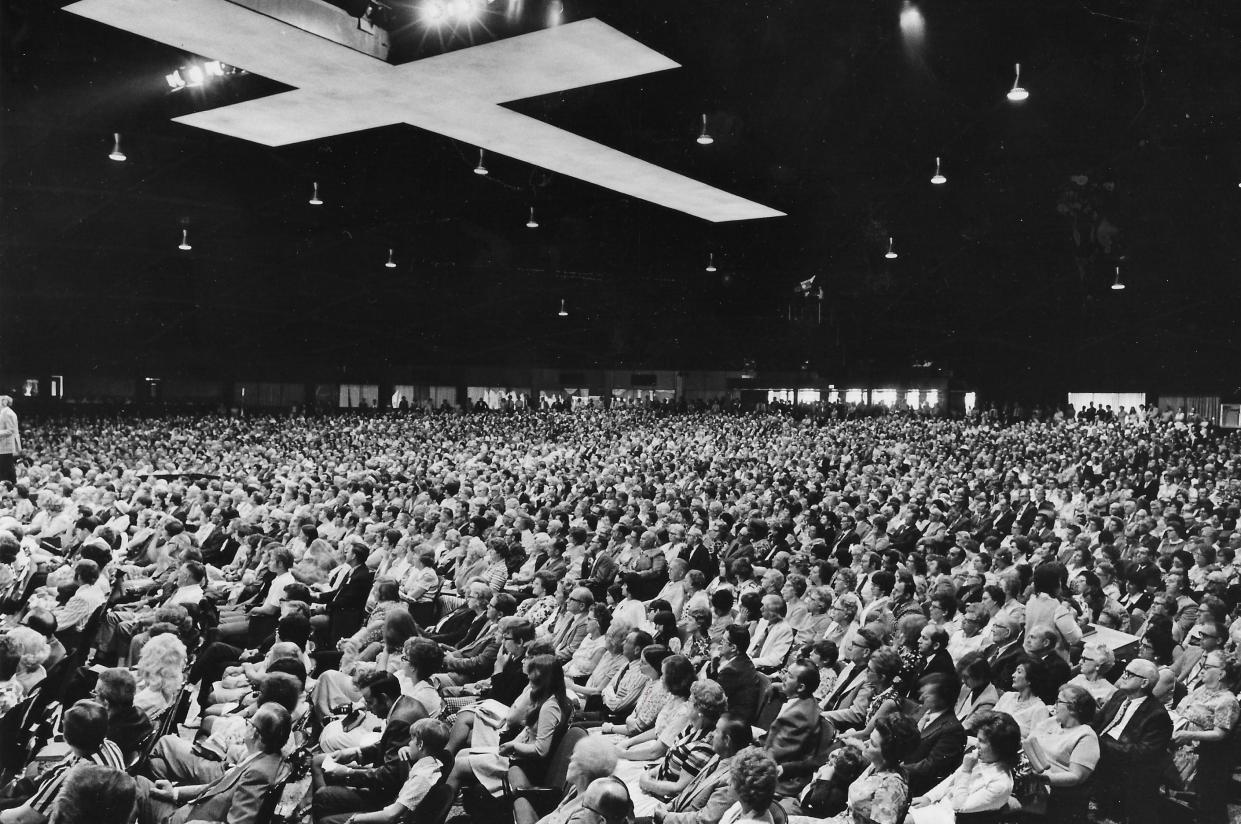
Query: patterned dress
[
  {"x": 1203, "y": 710},
  {"x": 878, "y": 797}
]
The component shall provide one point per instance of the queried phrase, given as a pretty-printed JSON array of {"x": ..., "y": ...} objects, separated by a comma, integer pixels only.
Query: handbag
[{"x": 1033, "y": 791}]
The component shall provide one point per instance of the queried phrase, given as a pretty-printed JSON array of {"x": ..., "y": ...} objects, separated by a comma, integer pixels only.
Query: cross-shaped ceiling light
[{"x": 458, "y": 94}]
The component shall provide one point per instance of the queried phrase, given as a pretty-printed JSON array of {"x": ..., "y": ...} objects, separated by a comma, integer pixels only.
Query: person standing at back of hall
[{"x": 10, "y": 440}]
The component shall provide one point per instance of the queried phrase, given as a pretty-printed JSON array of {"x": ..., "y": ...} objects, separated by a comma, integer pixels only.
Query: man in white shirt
[
  {"x": 88, "y": 597},
  {"x": 280, "y": 564},
  {"x": 773, "y": 637}
]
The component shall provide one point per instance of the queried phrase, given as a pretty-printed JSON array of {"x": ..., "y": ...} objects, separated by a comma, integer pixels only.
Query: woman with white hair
[
  {"x": 32, "y": 649},
  {"x": 1096, "y": 661},
  {"x": 160, "y": 674},
  {"x": 843, "y": 612}
]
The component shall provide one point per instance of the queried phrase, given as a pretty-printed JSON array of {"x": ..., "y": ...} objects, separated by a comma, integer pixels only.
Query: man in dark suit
[
  {"x": 1134, "y": 734},
  {"x": 942, "y": 745},
  {"x": 476, "y": 660},
  {"x": 846, "y": 705},
  {"x": 735, "y": 673},
  {"x": 1025, "y": 510},
  {"x": 709, "y": 795},
  {"x": 1006, "y": 653},
  {"x": 697, "y": 556},
  {"x": 933, "y": 647},
  {"x": 466, "y": 623},
  {"x": 794, "y": 734},
  {"x": 366, "y": 778},
  {"x": 1040, "y": 645},
  {"x": 346, "y": 605}
]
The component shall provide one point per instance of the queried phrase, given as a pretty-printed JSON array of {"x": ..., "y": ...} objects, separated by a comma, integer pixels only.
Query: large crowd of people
[{"x": 709, "y": 617}]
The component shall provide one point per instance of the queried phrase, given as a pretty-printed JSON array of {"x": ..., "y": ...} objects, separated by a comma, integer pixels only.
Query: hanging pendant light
[
  {"x": 1016, "y": 93},
  {"x": 532, "y": 223},
  {"x": 564, "y": 313},
  {"x": 1116, "y": 284},
  {"x": 314, "y": 197},
  {"x": 705, "y": 139},
  {"x": 938, "y": 178},
  {"x": 116, "y": 153},
  {"x": 391, "y": 264},
  {"x": 184, "y": 245},
  {"x": 711, "y": 262},
  {"x": 480, "y": 169},
  {"x": 891, "y": 253}
]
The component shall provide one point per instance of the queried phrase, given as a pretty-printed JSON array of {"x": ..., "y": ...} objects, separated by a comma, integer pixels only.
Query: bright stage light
[{"x": 913, "y": 24}]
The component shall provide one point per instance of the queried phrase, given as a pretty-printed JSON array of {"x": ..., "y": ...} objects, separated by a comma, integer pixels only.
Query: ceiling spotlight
[
  {"x": 938, "y": 178},
  {"x": 711, "y": 262},
  {"x": 391, "y": 264},
  {"x": 704, "y": 138},
  {"x": 1116, "y": 284},
  {"x": 1016, "y": 93},
  {"x": 532, "y": 223},
  {"x": 175, "y": 81},
  {"x": 891, "y": 253},
  {"x": 116, "y": 153},
  {"x": 480, "y": 169},
  {"x": 463, "y": 10},
  {"x": 184, "y": 245},
  {"x": 314, "y": 197},
  {"x": 564, "y": 313},
  {"x": 214, "y": 68},
  {"x": 433, "y": 11},
  {"x": 194, "y": 75}
]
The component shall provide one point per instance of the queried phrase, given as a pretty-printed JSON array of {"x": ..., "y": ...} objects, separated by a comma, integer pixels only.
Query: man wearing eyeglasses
[
  {"x": 569, "y": 628},
  {"x": 1134, "y": 734},
  {"x": 1188, "y": 670}
]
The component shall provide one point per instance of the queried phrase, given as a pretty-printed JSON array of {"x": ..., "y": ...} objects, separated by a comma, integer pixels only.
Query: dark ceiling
[{"x": 1127, "y": 153}]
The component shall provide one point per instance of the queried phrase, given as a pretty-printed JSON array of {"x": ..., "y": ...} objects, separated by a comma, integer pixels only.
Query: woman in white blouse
[
  {"x": 1023, "y": 703},
  {"x": 588, "y": 653},
  {"x": 984, "y": 781}
]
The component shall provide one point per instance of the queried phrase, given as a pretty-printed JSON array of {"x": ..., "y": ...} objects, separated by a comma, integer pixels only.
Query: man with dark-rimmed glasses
[{"x": 1134, "y": 733}]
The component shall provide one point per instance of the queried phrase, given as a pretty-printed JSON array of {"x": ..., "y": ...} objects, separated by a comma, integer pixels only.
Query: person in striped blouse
[{"x": 86, "y": 730}]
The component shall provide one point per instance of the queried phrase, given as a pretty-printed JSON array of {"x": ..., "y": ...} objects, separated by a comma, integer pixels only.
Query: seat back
[
  {"x": 558, "y": 767},
  {"x": 765, "y": 693},
  {"x": 434, "y": 807},
  {"x": 86, "y": 639},
  {"x": 827, "y": 739},
  {"x": 271, "y": 797},
  {"x": 14, "y": 731}
]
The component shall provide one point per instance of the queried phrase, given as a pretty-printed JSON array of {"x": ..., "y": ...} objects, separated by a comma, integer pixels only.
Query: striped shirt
[
  {"x": 50, "y": 782},
  {"x": 688, "y": 756}
]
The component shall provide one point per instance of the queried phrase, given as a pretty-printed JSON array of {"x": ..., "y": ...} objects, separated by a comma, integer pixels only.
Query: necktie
[
  {"x": 1120, "y": 716},
  {"x": 620, "y": 677},
  {"x": 842, "y": 687},
  {"x": 757, "y": 647},
  {"x": 1194, "y": 672}
]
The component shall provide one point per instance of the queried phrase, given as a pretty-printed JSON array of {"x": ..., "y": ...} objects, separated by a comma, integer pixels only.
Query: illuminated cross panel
[{"x": 458, "y": 94}]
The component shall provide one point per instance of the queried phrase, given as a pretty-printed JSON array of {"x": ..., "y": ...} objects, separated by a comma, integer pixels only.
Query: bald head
[
  {"x": 580, "y": 600},
  {"x": 608, "y": 798},
  {"x": 1139, "y": 678}
]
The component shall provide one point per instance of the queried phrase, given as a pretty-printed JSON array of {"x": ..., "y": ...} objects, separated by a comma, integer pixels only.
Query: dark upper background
[{"x": 821, "y": 109}]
